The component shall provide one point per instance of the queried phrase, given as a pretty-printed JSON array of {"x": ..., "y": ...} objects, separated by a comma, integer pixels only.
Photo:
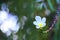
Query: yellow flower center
[{"x": 40, "y": 25}]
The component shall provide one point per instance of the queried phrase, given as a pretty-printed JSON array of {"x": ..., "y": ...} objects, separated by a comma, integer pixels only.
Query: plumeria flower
[{"x": 40, "y": 22}]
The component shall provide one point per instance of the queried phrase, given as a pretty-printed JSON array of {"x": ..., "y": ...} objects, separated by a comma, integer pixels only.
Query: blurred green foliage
[{"x": 27, "y": 8}]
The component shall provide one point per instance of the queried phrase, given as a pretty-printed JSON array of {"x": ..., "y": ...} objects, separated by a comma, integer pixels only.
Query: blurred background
[{"x": 26, "y": 10}]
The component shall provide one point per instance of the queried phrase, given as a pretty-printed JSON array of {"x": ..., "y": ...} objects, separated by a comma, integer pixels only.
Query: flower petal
[
  {"x": 8, "y": 33},
  {"x": 38, "y": 18},
  {"x": 35, "y": 23},
  {"x": 44, "y": 24},
  {"x": 43, "y": 19},
  {"x": 15, "y": 28},
  {"x": 3, "y": 15},
  {"x": 4, "y": 29},
  {"x": 37, "y": 27}
]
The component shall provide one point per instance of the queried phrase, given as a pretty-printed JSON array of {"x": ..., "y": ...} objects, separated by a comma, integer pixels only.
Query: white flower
[
  {"x": 3, "y": 16},
  {"x": 10, "y": 25},
  {"x": 8, "y": 22},
  {"x": 39, "y": 22}
]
